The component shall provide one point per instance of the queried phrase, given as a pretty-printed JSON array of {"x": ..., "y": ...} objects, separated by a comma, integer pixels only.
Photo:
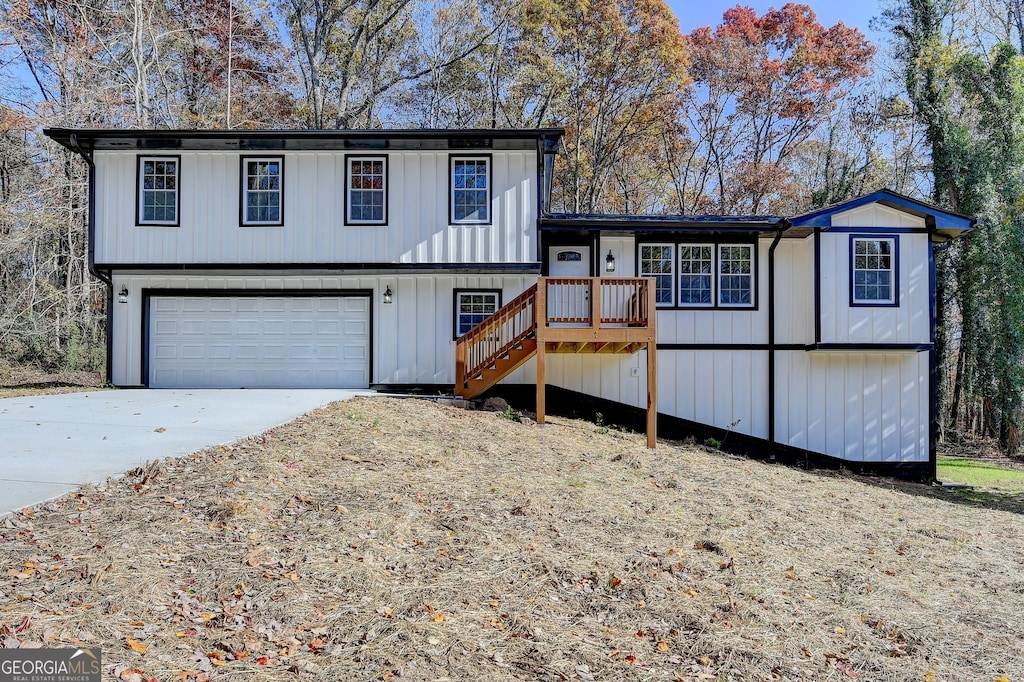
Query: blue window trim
[{"x": 895, "y": 239}]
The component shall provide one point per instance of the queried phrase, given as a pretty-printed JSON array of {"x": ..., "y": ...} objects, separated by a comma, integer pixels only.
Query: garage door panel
[{"x": 259, "y": 341}]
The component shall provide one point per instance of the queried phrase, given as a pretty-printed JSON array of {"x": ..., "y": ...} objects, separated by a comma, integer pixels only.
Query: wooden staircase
[
  {"x": 493, "y": 349},
  {"x": 561, "y": 315}
]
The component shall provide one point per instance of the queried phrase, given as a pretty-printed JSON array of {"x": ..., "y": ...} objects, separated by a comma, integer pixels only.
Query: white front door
[
  {"x": 569, "y": 261},
  {"x": 569, "y": 304}
]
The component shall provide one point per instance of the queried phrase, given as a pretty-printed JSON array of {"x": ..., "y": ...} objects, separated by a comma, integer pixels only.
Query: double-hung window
[
  {"x": 696, "y": 274},
  {"x": 262, "y": 191},
  {"x": 700, "y": 275},
  {"x": 470, "y": 190},
  {"x": 873, "y": 271},
  {"x": 366, "y": 199},
  {"x": 158, "y": 197},
  {"x": 656, "y": 261},
  {"x": 735, "y": 275},
  {"x": 473, "y": 307}
]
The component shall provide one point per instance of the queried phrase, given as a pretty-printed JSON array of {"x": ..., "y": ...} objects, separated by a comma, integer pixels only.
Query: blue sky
[{"x": 695, "y": 13}]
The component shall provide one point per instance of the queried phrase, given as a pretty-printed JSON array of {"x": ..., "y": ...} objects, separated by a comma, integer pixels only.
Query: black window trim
[
  {"x": 452, "y": 158},
  {"x": 470, "y": 290},
  {"x": 654, "y": 240},
  {"x": 348, "y": 188},
  {"x": 139, "y": 222},
  {"x": 243, "y": 176}
]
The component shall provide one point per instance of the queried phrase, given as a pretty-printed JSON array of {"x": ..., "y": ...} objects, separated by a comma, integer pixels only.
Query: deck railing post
[{"x": 595, "y": 302}]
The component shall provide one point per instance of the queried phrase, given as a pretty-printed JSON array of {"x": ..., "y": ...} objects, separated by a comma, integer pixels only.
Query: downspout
[
  {"x": 933, "y": 360},
  {"x": 91, "y": 250},
  {"x": 784, "y": 225}
]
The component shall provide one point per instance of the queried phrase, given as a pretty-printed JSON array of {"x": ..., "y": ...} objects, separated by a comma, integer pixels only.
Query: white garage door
[{"x": 259, "y": 341}]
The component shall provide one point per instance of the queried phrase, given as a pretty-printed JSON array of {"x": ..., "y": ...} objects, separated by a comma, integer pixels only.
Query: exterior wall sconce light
[
  {"x": 609, "y": 262},
  {"x": 122, "y": 296},
  {"x": 388, "y": 296}
]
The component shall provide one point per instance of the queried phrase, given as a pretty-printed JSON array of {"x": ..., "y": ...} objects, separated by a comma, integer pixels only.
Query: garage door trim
[{"x": 149, "y": 293}]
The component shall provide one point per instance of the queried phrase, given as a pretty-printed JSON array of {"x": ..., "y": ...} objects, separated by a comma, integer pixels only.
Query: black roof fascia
[
  {"x": 250, "y": 140},
  {"x": 659, "y": 223}
]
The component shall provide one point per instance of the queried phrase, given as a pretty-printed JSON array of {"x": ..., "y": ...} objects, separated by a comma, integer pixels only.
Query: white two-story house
[{"x": 379, "y": 259}]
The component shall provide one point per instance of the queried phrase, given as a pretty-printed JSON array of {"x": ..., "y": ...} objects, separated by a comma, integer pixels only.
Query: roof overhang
[
  {"x": 653, "y": 224},
  {"x": 286, "y": 140},
  {"x": 943, "y": 224}
]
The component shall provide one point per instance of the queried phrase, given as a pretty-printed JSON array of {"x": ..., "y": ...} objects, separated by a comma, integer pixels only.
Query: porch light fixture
[
  {"x": 387, "y": 295},
  {"x": 609, "y": 262},
  {"x": 122, "y": 296}
]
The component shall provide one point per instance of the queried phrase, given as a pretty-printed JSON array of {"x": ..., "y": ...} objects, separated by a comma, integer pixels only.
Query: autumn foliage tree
[
  {"x": 761, "y": 86},
  {"x": 612, "y": 72}
]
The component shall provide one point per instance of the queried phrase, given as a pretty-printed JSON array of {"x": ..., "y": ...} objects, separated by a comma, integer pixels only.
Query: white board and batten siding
[
  {"x": 905, "y": 324},
  {"x": 411, "y": 340},
  {"x": 857, "y": 406},
  {"x": 314, "y": 230}
]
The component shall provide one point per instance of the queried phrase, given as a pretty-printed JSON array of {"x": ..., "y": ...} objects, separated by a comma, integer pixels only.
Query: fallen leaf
[
  {"x": 929, "y": 676},
  {"x": 662, "y": 646},
  {"x": 840, "y": 631},
  {"x": 136, "y": 646},
  {"x": 132, "y": 675}
]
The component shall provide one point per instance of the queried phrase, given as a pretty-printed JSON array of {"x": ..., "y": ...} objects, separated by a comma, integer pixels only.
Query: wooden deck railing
[
  {"x": 622, "y": 301},
  {"x": 568, "y": 302},
  {"x": 492, "y": 339},
  {"x": 557, "y": 315}
]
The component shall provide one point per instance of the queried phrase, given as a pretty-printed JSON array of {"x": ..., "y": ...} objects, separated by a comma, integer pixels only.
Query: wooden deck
[{"x": 562, "y": 315}]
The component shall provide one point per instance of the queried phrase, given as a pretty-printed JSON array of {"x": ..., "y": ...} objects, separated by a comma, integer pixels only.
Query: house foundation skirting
[{"x": 577, "y": 405}]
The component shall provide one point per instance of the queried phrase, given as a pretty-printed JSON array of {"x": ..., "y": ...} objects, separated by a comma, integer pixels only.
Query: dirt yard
[
  {"x": 381, "y": 539},
  {"x": 20, "y": 380}
]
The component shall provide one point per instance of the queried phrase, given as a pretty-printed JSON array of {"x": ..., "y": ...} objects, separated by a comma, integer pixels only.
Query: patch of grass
[
  {"x": 511, "y": 414},
  {"x": 980, "y": 474}
]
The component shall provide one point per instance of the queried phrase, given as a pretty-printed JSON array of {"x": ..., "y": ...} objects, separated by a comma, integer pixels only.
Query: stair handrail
[{"x": 495, "y": 337}]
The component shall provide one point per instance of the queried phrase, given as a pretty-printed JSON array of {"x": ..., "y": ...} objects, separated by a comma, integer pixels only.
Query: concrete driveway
[{"x": 49, "y": 445}]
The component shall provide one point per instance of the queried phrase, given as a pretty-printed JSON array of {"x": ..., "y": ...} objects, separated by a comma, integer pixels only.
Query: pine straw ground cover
[{"x": 378, "y": 539}]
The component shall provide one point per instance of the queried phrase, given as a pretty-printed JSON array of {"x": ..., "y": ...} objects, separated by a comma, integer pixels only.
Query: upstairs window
[
  {"x": 366, "y": 190},
  {"x": 158, "y": 190},
  {"x": 262, "y": 198},
  {"x": 874, "y": 271},
  {"x": 471, "y": 190},
  {"x": 473, "y": 307}
]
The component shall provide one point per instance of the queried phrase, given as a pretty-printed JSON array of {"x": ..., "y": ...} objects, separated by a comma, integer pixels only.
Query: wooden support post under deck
[
  {"x": 540, "y": 383},
  {"x": 460, "y": 367},
  {"x": 652, "y": 396},
  {"x": 652, "y": 372},
  {"x": 540, "y": 318}
]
